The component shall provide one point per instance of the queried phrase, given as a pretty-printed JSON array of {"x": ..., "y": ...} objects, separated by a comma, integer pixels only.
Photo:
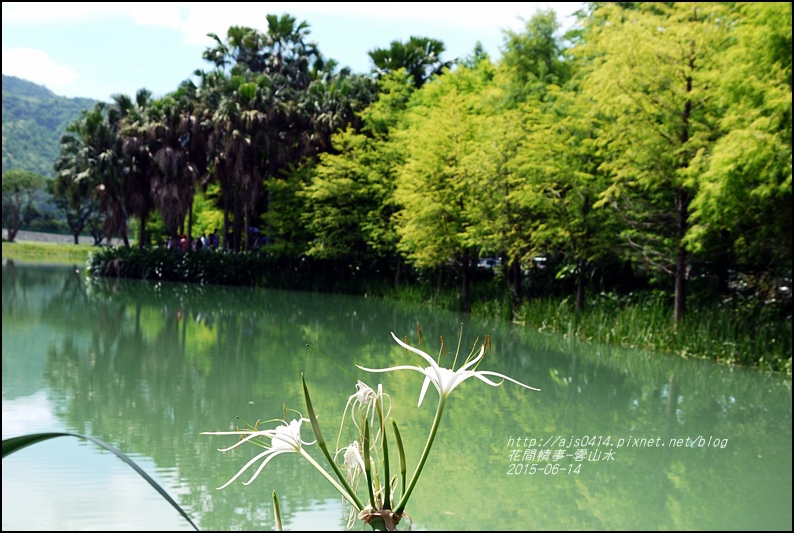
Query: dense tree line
[{"x": 653, "y": 140}]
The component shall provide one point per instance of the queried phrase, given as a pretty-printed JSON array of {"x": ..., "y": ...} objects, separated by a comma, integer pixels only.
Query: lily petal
[
  {"x": 249, "y": 463},
  {"x": 389, "y": 369},
  {"x": 417, "y": 351},
  {"x": 508, "y": 378},
  {"x": 426, "y": 382},
  {"x": 264, "y": 463}
]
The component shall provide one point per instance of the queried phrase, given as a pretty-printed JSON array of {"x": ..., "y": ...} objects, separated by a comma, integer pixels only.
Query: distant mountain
[{"x": 34, "y": 119}]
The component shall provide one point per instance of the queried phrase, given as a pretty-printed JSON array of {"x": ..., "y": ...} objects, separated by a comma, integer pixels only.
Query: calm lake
[{"x": 616, "y": 439}]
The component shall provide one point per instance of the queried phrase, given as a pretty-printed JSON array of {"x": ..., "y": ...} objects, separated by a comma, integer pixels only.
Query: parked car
[{"x": 489, "y": 262}]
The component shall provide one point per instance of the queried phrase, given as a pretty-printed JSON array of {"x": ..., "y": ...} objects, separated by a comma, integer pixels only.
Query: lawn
[{"x": 46, "y": 252}]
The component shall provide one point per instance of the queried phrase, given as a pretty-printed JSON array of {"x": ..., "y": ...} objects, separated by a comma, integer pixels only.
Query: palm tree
[
  {"x": 420, "y": 56},
  {"x": 334, "y": 101},
  {"x": 178, "y": 158},
  {"x": 213, "y": 109},
  {"x": 259, "y": 126},
  {"x": 91, "y": 154},
  {"x": 137, "y": 146},
  {"x": 74, "y": 186},
  {"x": 244, "y": 134}
]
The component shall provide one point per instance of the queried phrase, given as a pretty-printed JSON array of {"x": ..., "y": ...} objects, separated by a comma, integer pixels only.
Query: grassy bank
[
  {"x": 46, "y": 252},
  {"x": 731, "y": 333},
  {"x": 735, "y": 331}
]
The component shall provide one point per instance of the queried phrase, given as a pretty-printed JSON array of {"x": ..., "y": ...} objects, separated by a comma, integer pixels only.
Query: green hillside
[{"x": 34, "y": 118}]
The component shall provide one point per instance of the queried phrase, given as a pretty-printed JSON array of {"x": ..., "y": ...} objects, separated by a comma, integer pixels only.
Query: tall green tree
[
  {"x": 74, "y": 188},
  {"x": 742, "y": 210},
  {"x": 75, "y": 199},
  {"x": 503, "y": 220},
  {"x": 20, "y": 190},
  {"x": 91, "y": 154},
  {"x": 564, "y": 180},
  {"x": 336, "y": 101},
  {"x": 652, "y": 71},
  {"x": 532, "y": 66},
  {"x": 282, "y": 51},
  {"x": 349, "y": 199},
  {"x": 534, "y": 57},
  {"x": 437, "y": 186}
]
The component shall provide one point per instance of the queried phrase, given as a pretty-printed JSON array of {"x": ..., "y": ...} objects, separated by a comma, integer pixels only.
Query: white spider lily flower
[
  {"x": 444, "y": 379},
  {"x": 362, "y": 405},
  {"x": 366, "y": 397},
  {"x": 353, "y": 458},
  {"x": 364, "y": 394},
  {"x": 285, "y": 438}
]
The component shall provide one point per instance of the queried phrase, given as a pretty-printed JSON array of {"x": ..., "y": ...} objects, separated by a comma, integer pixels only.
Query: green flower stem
[
  {"x": 386, "y": 488},
  {"x": 349, "y": 497},
  {"x": 436, "y": 421},
  {"x": 349, "y": 493}
]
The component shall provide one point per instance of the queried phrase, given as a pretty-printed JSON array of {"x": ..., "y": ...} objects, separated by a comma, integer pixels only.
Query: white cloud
[
  {"x": 457, "y": 25},
  {"x": 203, "y": 18},
  {"x": 195, "y": 19},
  {"x": 38, "y": 67}
]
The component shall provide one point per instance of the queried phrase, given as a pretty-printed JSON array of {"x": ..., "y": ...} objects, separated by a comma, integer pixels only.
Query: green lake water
[{"x": 616, "y": 439}]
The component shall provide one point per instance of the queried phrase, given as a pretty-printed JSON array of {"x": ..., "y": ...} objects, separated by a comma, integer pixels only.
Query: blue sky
[{"x": 96, "y": 49}]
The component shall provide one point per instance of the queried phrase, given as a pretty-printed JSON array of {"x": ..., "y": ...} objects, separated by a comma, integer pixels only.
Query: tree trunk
[
  {"x": 682, "y": 211},
  {"x": 581, "y": 264},
  {"x": 190, "y": 224},
  {"x": 142, "y": 234},
  {"x": 236, "y": 220},
  {"x": 515, "y": 266},
  {"x": 581, "y": 281},
  {"x": 465, "y": 295},
  {"x": 246, "y": 229},
  {"x": 682, "y": 208},
  {"x": 397, "y": 273},
  {"x": 225, "y": 233}
]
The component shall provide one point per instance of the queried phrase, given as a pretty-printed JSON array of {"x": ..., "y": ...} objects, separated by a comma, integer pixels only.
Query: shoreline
[{"x": 39, "y": 236}]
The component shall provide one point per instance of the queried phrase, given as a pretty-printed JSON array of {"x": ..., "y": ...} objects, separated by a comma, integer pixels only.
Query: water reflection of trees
[
  {"x": 26, "y": 287},
  {"x": 159, "y": 361},
  {"x": 149, "y": 366},
  {"x": 648, "y": 396}
]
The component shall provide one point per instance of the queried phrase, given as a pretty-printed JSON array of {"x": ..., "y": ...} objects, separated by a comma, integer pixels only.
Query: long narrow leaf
[
  {"x": 367, "y": 465},
  {"x": 386, "y": 473},
  {"x": 15, "y": 444},
  {"x": 277, "y": 512},
  {"x": 400, "y": 451}
]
